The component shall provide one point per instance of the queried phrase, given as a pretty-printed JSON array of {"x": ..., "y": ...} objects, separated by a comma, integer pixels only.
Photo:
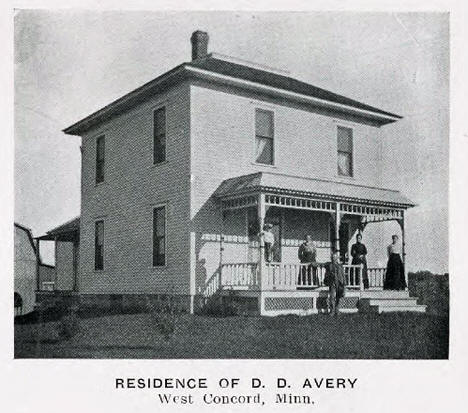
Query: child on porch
[{"x": 268, "y": 241}]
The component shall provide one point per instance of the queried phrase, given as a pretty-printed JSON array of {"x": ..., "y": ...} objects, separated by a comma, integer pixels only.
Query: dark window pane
[
  {"x": 99, "y": 245},
  {"x": 264, "y": 150},
  {"x": 159, "y": 236},
  {"x": 264, "y": 123},
  {"x": 159, "y": 138},
  {"x": 100, "y": 157},
  {"x": 345, "y": 139}
]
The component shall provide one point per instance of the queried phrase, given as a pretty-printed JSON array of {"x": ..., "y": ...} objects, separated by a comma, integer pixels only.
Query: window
[
  {"x": 99, "y": 245},
  {"x": 100, "y": 152},
  {"x": 264, "y": 137},
  {"x": 159, "y": 236},
  {"x": 345, "y": 151},
  {"x": 159, "y": 135}
]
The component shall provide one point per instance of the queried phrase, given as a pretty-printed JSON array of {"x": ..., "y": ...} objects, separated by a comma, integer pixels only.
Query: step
[
  {"x": 408, "y": 308},
  {"x": 384, "y": 294},
  {"x": 390, "y": 302}
]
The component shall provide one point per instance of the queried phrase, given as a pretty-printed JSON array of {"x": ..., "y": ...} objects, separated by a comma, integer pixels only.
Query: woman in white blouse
[{"x": 395, "y": 275}]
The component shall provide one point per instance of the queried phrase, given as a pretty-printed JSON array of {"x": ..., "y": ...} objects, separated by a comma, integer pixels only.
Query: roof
[
  {"x": 65, "y": 232},
  {"x": 321, "y": 188},
  {"x": 280, "y": 81},
  {"x": 223, "y": 69},
  {"x": 29, "y": 234}
]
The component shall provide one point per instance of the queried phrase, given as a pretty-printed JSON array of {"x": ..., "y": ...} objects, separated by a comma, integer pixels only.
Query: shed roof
[
  {"x": 65, "y": 232},
  {"x": 321, "y": 188}
]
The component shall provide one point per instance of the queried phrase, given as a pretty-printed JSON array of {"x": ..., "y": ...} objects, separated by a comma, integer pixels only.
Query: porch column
[
  {"x": 75, "y": 265},
  {"x": 221, "y": 250},
  {"x": 337, "y": 227},
  {"x": 261, "y": 222},
  {"x": 38, "y": 263},
  {"x": 403, "y": 252}
]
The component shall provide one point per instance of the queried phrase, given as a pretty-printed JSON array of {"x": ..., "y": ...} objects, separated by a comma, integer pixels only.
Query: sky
[{"x": 71, "y": 63}]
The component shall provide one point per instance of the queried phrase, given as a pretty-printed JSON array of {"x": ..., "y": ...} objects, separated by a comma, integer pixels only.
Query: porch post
[
  {"x": 337, "y": 227},
  {"x": 261, "y": 221},
  {"x": 221, "y": 250},
  {"x": 75, "y": 265},
  {"x": 38, "y": 263},
  {"x": 403, "y": 252}
]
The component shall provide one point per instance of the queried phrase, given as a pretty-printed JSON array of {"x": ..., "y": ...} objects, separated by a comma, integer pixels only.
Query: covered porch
[{"x": 332, "y": 213}]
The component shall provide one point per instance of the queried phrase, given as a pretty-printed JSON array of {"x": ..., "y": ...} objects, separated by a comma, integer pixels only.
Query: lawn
[{"x": 348, "y": 336}]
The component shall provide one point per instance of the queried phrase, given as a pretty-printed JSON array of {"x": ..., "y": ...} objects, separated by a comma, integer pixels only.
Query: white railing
[
  {"x": 376, "y": 277},
  {"x": 280, "y": 276},
  {"x": 243, "y": 275},
  {"x": 285, "y": 276},
  {"x": 353, "y": 276},
  {"x": 212, "y": 285}
]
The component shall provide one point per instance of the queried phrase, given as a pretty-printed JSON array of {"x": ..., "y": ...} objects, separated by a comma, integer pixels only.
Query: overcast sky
[{"x": 70, "y": 63}]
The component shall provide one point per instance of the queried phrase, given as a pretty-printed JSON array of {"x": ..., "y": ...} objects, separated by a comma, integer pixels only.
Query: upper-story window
[
  {"x": 159, "y": 135},
  {"x": 264, "y": 136},
  {"x": 99, "y": 245},
  {"x": 345, "y": 151},
  {"x": 159, "y": 236},
  {"x": 100, "y": 158}
]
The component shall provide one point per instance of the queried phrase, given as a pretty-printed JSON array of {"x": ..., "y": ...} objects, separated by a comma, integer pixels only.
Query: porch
[{"x": 332, "y": 213}]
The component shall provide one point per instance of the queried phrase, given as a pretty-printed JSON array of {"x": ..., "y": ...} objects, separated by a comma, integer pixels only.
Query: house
[
  {"x": 30, "y": 273},
  {"x": 179, "y": 175}
]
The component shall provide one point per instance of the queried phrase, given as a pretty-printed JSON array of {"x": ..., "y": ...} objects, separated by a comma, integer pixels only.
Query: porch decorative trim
[
  {"x": 300, "y": 203},
  {"x": 240, "y": 202}
]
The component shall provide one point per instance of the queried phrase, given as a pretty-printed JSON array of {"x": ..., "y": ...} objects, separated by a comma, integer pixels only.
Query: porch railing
[
  {"x": 376, "y": 277},
  {"x": 281, "y": 276},
  {"x": 240, "y": 275}
]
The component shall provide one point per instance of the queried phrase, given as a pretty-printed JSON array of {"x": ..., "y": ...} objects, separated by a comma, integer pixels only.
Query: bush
[
  {"x": 163, "y": 314},
  {"x": 220, "y": 307},
  {"x": 68, "y": 326},
  {"x": 431, "y": 289}
]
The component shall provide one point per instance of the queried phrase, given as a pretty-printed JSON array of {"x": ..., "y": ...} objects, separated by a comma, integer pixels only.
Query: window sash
[
  {"x": 264, "y": 150},
  {"x": 159, "y": 135},
  {"x": 264, "y": 137},
  {"x": 345, "y": 164},
  {"x": 100, "y": 158},
  {"x": 99, "y": 245},
  {"x": 345, "y": 151},
  {"x": 159, "y": 236}
]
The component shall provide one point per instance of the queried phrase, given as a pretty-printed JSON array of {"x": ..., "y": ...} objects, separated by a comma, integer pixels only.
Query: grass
[{"x": 349, "y": 336}]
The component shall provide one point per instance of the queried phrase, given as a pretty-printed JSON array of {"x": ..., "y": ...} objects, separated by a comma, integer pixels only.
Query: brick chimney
[{"x": 199, "y": 41}]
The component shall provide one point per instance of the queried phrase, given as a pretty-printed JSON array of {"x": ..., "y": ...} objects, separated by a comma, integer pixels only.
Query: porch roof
[
  {"x": 69, "y": 231},
  {"x": 319, "y": 188}
]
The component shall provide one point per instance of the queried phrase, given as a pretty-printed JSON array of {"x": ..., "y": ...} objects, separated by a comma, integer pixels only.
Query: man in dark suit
[{"x": 335, "y": 279}]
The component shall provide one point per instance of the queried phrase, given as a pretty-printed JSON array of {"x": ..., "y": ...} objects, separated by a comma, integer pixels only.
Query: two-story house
[{"x": 180, "y": 175}]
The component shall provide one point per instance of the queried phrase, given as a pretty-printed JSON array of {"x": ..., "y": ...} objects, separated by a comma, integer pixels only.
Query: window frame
[
  {"x": 153, "y": 209},
  {"x": 351, "y": 153},
  {"x": 154, "y": 110},
  {"x": 96, "y": 221},
  {"x": 98, "y": 139},
  {"x": 273, "y": 138}
]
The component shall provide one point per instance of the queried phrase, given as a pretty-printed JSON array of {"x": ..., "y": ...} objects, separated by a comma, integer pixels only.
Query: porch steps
[{"x": 390, "y": 304}]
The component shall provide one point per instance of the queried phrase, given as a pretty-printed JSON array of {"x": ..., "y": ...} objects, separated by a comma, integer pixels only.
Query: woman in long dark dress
[
  {"x": 395, "y": 275},
  {"x": 359, "y": 253}
]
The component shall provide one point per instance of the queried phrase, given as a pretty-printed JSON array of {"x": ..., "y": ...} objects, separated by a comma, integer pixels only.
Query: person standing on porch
[
  {"x": 308, "y": 255},
  {"x": 395, "y": 275},
  {"x": 335, "y": 279},
  {"x": 268, "y": 241},
  {"x": 359, "y": 253}
]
